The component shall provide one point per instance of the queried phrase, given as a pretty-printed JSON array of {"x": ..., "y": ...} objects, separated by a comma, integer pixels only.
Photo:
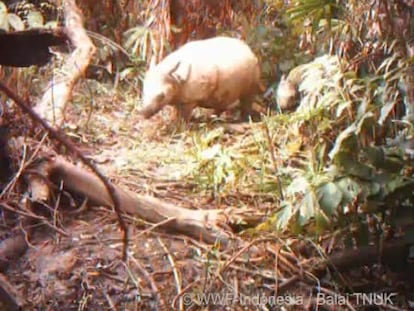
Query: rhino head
[
  {"x": 287, "y": 94},
  {"x": 161, "y": 86}
]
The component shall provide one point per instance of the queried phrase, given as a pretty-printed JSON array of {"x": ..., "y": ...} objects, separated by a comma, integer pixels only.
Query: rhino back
[{"x": 222, "y": 71}]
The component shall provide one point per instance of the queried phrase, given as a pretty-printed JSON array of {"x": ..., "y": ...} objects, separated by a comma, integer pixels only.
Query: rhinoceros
[
  {"x": 287, "y": 94},
  {"x": 220, "y": 73},
  {"x": 305, "y": 82}
]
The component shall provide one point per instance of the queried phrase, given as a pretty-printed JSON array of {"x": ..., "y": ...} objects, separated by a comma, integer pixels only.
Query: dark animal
[{"x": 29, "y": 47}]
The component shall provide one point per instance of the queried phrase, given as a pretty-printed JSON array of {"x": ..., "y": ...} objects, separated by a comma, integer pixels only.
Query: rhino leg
[
  {"x": 184, "y": 111},
  {"x": 246, "y": 107}
]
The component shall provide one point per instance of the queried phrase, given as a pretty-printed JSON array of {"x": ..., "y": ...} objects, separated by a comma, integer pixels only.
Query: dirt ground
[
  {"x": 75, "y": 261},
  {"x": 74, "y": 258}
]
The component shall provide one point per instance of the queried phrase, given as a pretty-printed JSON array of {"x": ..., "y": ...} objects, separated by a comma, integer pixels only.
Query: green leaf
[
  {"x": 347, "y": 139},
  {"x": 127, "y": 72},
  {"x": 35, "y": 19},
  {"x": 4, "y": 23},
  {"x": 386, "y": 110},
  {"x": 395, "y": 183},
  {"x": 342, "y": 106},
  {"x": 3, "y": 8},
  {"x": 321, "y": 222},
  {"x": 375, "y": 189},
  {"x": 375, "y": 155},
  {"x": 371, "y": 188},
  {"x": 307, "y": 207},
  {"x": 284, "y": 216},
  {"x": 349, "y": 165},
  {"x": 350, "y": 189},
  {"x": 329, "y": 196},
  {"x": 298, "y": 185},
  {"x": 393, "y": 164},
  {"x": 51, "y": 24},
  {"x": 379, "y": 159},
  {"x": 15, "y": 22},
  {"x": 136, "y": 37}
]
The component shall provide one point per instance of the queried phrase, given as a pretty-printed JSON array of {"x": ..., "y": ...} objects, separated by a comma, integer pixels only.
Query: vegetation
[{"x": 335, "y": 174}]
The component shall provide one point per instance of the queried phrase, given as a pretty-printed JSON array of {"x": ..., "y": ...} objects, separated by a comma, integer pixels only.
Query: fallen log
[{"x": 205, "y": 225}]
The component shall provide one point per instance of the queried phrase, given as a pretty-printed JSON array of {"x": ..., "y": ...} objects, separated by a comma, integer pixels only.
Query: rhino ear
[
  {"x": 174, "y": 68},
  {"x": 180, "y": 72}
]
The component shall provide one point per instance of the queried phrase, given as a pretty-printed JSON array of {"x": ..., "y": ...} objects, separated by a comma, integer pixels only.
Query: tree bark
[{"x": 52, "y": 105}]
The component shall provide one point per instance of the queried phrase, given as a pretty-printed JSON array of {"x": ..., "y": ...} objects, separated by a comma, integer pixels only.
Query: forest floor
[
  {"x": 78, "y": 265},
  {"x": 74, "y": 262}
]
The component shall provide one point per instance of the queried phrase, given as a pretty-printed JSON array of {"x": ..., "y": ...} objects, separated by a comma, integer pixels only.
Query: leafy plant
[
  {"x": 218, "y": 168},
  {"x": 9, "y": 20}
]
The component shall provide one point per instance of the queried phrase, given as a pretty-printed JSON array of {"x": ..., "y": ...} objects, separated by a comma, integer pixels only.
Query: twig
[
  {"x": 110, "y": 301},
  {"x": 176, "y": 274},
  {"x": 186, "y": 289},
  {"x": 33, "y": 216},
  {"x": 155, "y": 226},
  {"x": 151, "y": 282},
  {"x": 291, "y": 268},
  {"x": 64, "y": 141},
  {"x": 232, "y": 260}
]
